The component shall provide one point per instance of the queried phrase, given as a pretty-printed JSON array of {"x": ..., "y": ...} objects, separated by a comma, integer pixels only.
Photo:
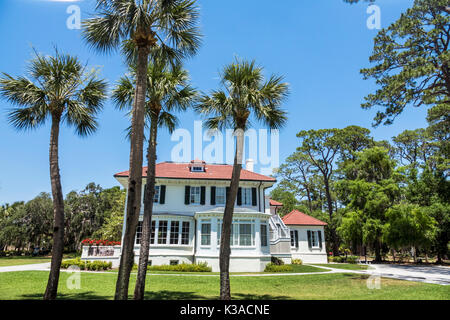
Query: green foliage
[
  {"x": 412, "y": 61},
  {"x": 409, "y": 226},
  {"x": 183, "y": 267},
  {"x": 86, "y": 265},
  {"x": 344, "y": 259},
  {"x": 271, "y": 267}
]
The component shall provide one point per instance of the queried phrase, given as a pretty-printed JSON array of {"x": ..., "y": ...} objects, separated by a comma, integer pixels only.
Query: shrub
[
  {"x": 343, "y": 259},
  {"x": 297, "y": 261},
  {"x": 276, "y": 261},
  {"x": 86, "y": 265},
  {"x": 183, "y": 267},
  {"x": 270, "y": 267},
  {"x": 352, "y": 259}
]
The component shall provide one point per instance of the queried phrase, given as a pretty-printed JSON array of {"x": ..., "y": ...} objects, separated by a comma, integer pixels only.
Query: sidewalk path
[{"x": 27, "y": 267}]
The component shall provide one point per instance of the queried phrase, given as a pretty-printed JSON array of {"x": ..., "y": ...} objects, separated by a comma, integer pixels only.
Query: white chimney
[{"x": 249, "y": 165}]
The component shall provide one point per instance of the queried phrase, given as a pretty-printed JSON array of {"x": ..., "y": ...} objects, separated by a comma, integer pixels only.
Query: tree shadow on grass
[
  {"x": 173, "y": 295},
  {"x": 355, "y": 276},
  {"x": 248, "y": 296},
  {"x": 87, "y": 295}
]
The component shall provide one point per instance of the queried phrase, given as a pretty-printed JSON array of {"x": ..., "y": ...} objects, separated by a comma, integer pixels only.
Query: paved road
[{"x": 428, "y": 274}]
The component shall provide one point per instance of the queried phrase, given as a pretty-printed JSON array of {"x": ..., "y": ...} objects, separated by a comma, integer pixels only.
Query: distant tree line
[{"x": 93, "y": 212}]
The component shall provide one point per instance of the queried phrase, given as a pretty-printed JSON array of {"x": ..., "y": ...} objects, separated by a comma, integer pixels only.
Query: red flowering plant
[{"x": 99, "y": 242}]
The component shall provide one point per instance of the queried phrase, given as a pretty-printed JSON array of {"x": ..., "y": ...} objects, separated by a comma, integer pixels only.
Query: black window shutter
[
  {"x": 202, "y": 195},
  {"x": 320, "y": 238},
  {"x": 309, "y": 239},
  {"x": 187, "y": 195},
  {"x": 239, "y": 197},
  {"x": 213, "y": 196},
  {"x": 254, "y": 197},
  {"x": 296, "y": 238},
  {"x": 162, "y": 194}
]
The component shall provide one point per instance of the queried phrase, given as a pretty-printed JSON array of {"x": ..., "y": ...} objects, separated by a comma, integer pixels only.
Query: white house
[{"x": 187, "y": 219}]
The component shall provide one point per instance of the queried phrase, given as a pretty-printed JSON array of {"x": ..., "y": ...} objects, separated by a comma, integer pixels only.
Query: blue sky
[{"x": 319, "y": 46}]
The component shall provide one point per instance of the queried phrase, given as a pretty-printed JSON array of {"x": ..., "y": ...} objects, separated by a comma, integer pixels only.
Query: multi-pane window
[
  {"x": 206, "y": 234},
  {"x": 197, "y": 169},
  {"x": 156, "y": 195},
  {"x": 314, "y": 239},
  {"x": 220, "y": 195},
  {"x": 294, "y": 239},
  {"x": 246, "y": 194},
  {"x": 185, "y": 232},
  {"x": 263, "y": 235},
  {"x": 152, "y": 237},
  {"x": 162, "y": 232},
  {"x": 139, "y": 233},
  {"x": 242, "y": 233},
  {"x": 195, "y": 195},
  {"x": 245, "y": 234},
  {"x": 174, "y": 229}
]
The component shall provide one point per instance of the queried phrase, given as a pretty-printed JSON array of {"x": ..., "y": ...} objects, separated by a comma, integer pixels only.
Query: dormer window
[{"x": 197, "y": 166}]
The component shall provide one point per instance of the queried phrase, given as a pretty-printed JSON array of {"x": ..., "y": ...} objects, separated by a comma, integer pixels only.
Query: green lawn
[
  {"x": 31, "y": 285},
  {"x": 346, "y": 266},
  {"x": 16, "y": 261}
]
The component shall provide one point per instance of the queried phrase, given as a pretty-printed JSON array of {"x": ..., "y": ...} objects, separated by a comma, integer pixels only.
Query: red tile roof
[
  {"x": 298, "y": 218},
  {"x": 275, "y": 203},
  {"x": 171, "y": 170}
]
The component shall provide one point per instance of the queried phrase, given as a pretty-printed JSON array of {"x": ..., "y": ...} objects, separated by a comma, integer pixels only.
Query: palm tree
[
  {"x": 64, "y": 92},
  {"x": 168, "y": 91},
  {"x": 170, "y": 25},
  {"x": 244, "y": 93}
]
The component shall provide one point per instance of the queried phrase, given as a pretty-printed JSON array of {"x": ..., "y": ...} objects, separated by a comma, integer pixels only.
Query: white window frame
[
  {"x": 182, "y": 223},
  {"x": 195, "y": 195},
  {"x": 235, "y": 240},
  {"x": 246, "y": 196},
  {"x": 206, "y": 235},
  {"x": 176, "y": 233},
  {"x": 314, "y": 236},
  {"x": 294, "y": 238},
  {"x": 218, "y": 196},
  {"x": 197, "y": 169}
]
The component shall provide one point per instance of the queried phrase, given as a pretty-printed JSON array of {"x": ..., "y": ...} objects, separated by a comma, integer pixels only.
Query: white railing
[{"x": 278, "y": 229}]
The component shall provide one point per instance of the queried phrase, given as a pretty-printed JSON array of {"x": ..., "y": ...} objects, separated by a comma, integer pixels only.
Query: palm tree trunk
[
  {"x": 58, "y": 210},
  {"x": 225, "y": 251},
  {"x": 135, "y": 178},
  {"x": 148, "y": 209}
]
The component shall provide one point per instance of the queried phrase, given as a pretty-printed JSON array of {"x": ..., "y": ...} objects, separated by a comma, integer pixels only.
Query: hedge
[
  {"x": 183, "y": 267},
  {"x": 86, "y": 265},
  {"x": 270, "y": 267}
]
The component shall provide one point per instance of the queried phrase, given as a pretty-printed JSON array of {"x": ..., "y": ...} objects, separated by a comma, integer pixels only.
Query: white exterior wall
[
  {"x": 243, "y": 259},
  {"x": 303, "y": 252}
]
